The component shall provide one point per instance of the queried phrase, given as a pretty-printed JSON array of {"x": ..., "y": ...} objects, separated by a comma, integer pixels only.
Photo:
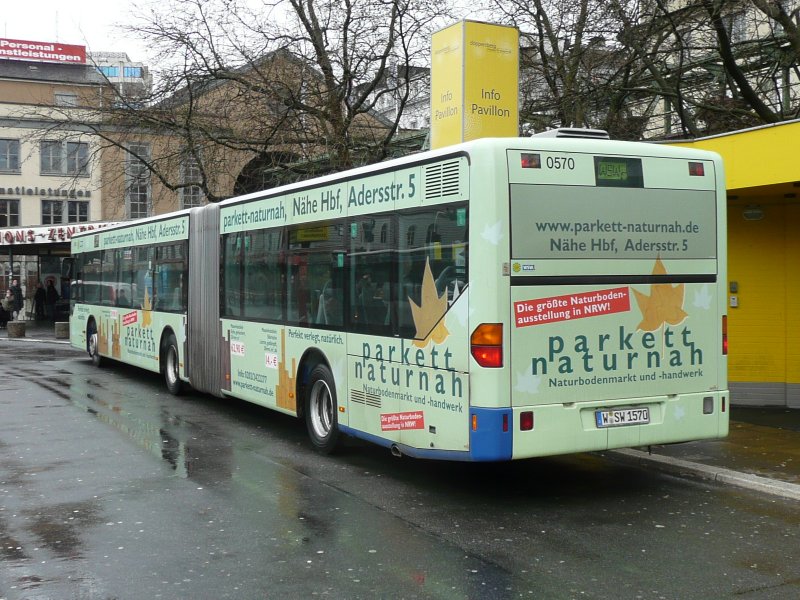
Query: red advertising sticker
[
  {"x": 42, "y": 51},
  {"x": 130, "y": 318},
  {"x": 403, "y": 420},
  {"x": 571, "y": 306}
]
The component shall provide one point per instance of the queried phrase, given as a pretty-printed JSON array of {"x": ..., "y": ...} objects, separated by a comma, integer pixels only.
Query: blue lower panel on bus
[
  {"x": 492, "y": 439},
  {"x": 407, "y": 450},
  {"x": 488, "y": 443}
]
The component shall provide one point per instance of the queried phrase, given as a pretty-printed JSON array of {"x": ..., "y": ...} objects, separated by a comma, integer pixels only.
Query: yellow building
[{"x": 763, "y": 182}]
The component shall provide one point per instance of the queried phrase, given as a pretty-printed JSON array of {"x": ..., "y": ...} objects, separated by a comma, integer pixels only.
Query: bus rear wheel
[
  {"x": 172, "y": 366},
  {"x": 93, "y": 344},
  {"x": 320, "y": 410}
]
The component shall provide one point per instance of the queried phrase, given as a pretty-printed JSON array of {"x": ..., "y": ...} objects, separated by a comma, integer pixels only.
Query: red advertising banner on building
[
  {"x": 47, "y": 234},
  {"x": 42, "y": 51}
]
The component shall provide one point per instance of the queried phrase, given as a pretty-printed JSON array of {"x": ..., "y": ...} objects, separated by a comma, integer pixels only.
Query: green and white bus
[{"x": 494, "y": 300}]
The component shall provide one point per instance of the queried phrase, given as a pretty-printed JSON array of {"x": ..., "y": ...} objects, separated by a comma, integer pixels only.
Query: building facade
[{"x": 50, "y": 176}]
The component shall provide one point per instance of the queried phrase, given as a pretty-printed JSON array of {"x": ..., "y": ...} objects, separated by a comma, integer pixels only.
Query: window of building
[
  {"x": 66, "y": 99},
  {"x": 77, "y": 158},
  {"x": 50, "y": 156},
  {"x": 9, "y": 213},
  {"x": 9, "y": 155},
  {"x": 64, "y": 158},
  {"x": 56, "y": 212},
  {"x": 132, "y": 72},
  {"x": 52, "y": 212},
  {"x": 137, "y": 181},
  {"x": 77, "y": 211},
  {"x": 738, "y": 27},
  {"x": 109, "y": 71},
  {"x": 192, "y": 195}
]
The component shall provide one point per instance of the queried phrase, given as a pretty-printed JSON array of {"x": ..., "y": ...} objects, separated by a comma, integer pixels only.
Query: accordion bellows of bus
[{"x": 495, "y": 300}]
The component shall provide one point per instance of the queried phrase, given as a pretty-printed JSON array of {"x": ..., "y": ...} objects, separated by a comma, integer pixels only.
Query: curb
[
  {"x": 36, "y": 340},
  {"x": 765, "y": 485}
]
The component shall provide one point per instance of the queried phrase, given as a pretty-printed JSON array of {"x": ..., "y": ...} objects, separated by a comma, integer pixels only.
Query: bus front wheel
[
  {"x": 172, "y": 366},
  {"x": 93, "y": 344},
  {"x": 320, "y": 410}
]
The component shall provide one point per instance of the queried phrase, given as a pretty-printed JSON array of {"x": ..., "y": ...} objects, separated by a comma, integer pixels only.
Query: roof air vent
[{"x": 574, "y": 132}]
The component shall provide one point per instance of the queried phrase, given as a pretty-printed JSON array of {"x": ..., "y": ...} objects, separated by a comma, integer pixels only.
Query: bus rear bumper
[{"x": 573, "y": 427}]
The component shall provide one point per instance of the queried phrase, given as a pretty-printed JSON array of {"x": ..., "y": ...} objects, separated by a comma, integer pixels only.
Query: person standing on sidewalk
[
  {"x": 18, "y": 302},
  {"x": 6, "y": 309},
  {"x": 51, "y": 296},
  {"x": 39, "y": 300}
]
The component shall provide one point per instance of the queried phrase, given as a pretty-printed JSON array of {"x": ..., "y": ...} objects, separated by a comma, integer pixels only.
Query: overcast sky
[{"x": 87, "y": 23}]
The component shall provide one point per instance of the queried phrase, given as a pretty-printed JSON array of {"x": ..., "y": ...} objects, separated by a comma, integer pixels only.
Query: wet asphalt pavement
[{"x": 112, "y": 488}]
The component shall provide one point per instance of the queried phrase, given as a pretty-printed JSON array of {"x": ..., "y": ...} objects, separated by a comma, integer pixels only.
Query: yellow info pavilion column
[{"x": 474, "y": 83}]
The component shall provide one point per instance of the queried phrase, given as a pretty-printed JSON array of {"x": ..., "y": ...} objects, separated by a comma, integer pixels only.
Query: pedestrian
[
  {"x": 51, "y": 297},
  {"x": 6, "y": 308},
  {"x": 39, "y": 300},
  {"x": 18, "y": 302}
]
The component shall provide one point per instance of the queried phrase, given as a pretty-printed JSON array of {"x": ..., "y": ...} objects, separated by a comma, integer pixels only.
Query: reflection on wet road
[{"x": 112, "y": 488}]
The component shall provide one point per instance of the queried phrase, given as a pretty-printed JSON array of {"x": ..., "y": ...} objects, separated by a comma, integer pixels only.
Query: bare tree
[
  {"x": 656, "y": 68},
  {"x": 281, "y": 87}
]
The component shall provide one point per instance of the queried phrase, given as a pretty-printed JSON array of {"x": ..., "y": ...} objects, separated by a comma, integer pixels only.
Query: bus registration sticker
[{"x": 622, "y": 416}]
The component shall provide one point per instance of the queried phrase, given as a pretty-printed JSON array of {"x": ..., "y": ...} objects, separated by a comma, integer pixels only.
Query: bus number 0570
[{"x": 560, "y": 162}]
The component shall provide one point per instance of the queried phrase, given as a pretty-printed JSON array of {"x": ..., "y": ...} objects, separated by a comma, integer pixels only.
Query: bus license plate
[{"x": 622, "y": 416}]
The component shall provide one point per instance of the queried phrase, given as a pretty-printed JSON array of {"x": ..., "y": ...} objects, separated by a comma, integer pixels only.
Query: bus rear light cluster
[
  {"x": 696, "y": 169},
  {"x": 486, "y": 345},
  {"x": 724, "y": 335},
  {"x": 530, "y": 161},
  {"x": 526, "y": 420}
]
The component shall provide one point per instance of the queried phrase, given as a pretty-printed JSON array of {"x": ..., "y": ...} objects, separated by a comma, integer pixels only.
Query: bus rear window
[{"x": 568, "y": 222}]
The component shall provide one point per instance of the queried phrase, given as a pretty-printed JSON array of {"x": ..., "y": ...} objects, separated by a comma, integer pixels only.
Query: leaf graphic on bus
[
  {"x": 702, "y": 298},
  {"x": 146, "y": 308},
  {"x": 428, "y": 317},
  {"x": 664, "y": 305}
]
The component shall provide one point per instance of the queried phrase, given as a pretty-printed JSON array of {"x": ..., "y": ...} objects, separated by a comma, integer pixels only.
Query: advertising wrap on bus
[
  {"x": 613, "y": 342},
  {"x": 502, "y": 299}
]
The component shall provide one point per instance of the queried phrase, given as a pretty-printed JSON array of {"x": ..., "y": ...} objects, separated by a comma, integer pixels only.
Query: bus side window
[
  {"x": 372, "y": 270},
  {"x": 232, "y": 275},
  {"x": 264, "y": 276},
  {"x": 443, "y": 252},
  {"x": 316, "y": 274}
]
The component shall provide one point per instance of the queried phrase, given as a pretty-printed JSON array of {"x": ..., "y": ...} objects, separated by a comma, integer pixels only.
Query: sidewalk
[
  {"x": 762, "y": 451},
  {"x": 36, "y": 331}
]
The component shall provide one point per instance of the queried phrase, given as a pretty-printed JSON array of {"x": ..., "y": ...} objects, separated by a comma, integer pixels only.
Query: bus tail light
[
  {"x": 724, "y": 335},
  {"x": 486, "y": 345},
  {"x": 696, "y": 169},
  {"x": 526, "y": 420},
  {"x": 530, "y": 161}
]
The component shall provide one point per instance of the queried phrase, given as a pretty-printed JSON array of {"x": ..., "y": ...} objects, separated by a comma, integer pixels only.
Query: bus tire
[
  {"x": 320, "y": 410},
  {"x": 93, "y": 344},
  {"x": 171, "y": 360}
]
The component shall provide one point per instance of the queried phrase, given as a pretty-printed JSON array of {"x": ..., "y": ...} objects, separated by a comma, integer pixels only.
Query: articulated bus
[{"x": 494, "y": 300}]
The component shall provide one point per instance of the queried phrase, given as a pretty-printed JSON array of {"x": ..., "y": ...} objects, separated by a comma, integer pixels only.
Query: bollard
[
  {"x": 62, "y": 330},
  {"x": 16, "y": 329}
]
